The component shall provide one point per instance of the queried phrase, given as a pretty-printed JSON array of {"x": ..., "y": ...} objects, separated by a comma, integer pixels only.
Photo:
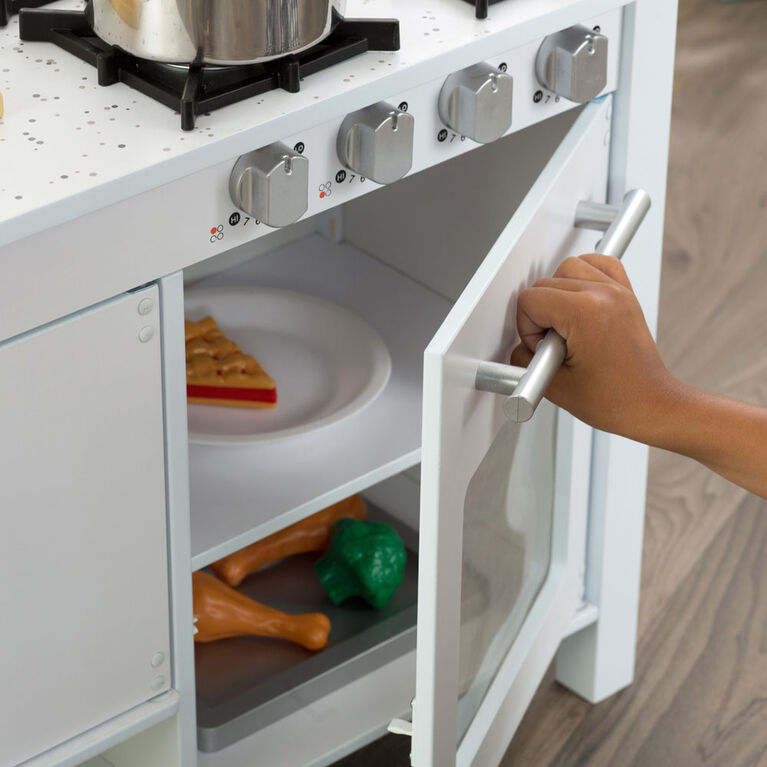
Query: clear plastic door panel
[
  {"x": 84, "y": 597},
  {"x": 498, "y": 575}
]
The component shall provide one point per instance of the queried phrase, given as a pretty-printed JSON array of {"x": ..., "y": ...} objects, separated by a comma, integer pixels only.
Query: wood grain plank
[
  {"x": 714, "y": 276},
  {"x": 700, "y": 696}
]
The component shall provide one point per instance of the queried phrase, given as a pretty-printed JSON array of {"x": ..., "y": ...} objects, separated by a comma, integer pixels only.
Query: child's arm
[{"x": 614, "y": 379}]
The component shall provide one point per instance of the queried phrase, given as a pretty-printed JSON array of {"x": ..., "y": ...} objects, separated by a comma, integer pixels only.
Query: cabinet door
[
  {"x": 498, "y": 578},
  {"x": 84, "y": 598}
]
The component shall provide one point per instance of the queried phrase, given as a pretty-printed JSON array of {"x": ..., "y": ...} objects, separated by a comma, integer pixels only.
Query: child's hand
[{"x": 613, "y": 377}]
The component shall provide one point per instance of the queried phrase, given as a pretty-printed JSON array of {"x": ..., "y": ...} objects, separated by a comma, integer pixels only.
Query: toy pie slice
[{"x": 218, "y": 373}]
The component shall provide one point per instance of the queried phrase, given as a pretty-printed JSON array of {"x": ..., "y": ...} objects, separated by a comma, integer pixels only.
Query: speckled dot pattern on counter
[{"x": 63, "y": 134}]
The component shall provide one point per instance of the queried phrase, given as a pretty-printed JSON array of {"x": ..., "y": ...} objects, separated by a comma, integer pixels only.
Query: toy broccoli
[{"x": 365, "y": 559}]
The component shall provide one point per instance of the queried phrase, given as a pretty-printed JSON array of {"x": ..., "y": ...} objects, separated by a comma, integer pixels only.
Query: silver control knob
[
  {"x": 476, "y": 102},
  {"x": 271, "y": 184},
  {"x": 573, "y": 63},
  {"x": 377, "y": 142}
]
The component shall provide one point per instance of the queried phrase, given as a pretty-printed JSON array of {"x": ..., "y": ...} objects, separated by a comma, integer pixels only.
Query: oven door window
[{"x": 507, "y": 546}]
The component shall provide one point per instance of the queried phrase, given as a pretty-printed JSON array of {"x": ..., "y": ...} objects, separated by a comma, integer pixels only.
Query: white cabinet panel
[
  {"x": 83, "y": 560},
  {"x": 502, "y": 509}
]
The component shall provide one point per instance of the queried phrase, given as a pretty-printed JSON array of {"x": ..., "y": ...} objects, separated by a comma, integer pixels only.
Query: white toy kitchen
[{"x": 365, "y": 226}]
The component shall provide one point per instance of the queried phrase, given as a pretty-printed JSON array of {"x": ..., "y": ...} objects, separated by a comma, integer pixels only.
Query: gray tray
[{"x": 246, "y": 683}]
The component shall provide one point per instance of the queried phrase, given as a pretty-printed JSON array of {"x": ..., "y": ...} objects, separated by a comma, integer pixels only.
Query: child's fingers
[
  {"x": 572, "y": 284},
  {"x": 541, "y": 308},
  {"x": 577, "y": 268},
  {"x": 521, "y": 356},
  {"x": 609, "y": 265}
]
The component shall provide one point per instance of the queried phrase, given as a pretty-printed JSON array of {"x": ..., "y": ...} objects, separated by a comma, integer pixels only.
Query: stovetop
[
  {"x": 69, "y": 146},
  {"x": 199, "y": 88}
]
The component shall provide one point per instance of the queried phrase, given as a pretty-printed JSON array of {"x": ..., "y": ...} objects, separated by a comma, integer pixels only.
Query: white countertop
[{"x": 69, "y": 146}]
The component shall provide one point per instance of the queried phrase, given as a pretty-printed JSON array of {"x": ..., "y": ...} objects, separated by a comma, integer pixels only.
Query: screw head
[{"x": 145, "y": 306}]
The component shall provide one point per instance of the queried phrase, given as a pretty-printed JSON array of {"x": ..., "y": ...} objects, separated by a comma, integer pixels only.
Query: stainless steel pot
[{"x": 213, "y": 31}]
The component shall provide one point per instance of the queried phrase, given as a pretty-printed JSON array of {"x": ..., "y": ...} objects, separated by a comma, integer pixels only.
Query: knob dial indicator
[
  {"x": 573, "y": 63},
  {"x": 477, "y": 101},
  {"x": 377, "y": 142},
  {"x": 271, "y": 184}
]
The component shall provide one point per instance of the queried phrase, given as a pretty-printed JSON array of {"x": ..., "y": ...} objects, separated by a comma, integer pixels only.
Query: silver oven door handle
[{"x": 525, "y": 387}]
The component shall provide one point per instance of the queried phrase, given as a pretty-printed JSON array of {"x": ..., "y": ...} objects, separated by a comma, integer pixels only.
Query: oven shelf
[
  {"x": 241, "y": 494},
  {"x": 245, "y": 684}
]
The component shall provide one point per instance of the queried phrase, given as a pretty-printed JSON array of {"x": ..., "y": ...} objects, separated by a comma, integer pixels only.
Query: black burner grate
[
  {"x": 199, "y": 88},
  {"x": 9, "y": 7},
  {"x": 481, "y": 7}
]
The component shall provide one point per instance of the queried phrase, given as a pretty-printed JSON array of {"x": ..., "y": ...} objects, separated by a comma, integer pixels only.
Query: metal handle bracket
[
  {"x": 498, "y": 378},
  {"x": 595, "y": 215}
]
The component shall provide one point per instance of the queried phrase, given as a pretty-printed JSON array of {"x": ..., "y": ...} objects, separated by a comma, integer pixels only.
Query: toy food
[
  {"x": 218, "y": 373},
  {"x": 311, "y": 534},
  {"x": 221, "y": 612},
  {"x": 365, "y": 559}
]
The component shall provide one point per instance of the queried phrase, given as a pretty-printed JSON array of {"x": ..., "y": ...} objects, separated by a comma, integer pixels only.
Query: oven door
[{"x": 502, "y": 503}]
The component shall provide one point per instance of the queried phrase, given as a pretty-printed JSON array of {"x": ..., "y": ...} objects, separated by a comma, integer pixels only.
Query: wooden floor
[{"x": 700, "y": 695}]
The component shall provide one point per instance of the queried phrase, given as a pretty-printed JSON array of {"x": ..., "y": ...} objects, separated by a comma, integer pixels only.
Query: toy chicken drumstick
[
  {"x": 311, "y": 534},
  {"x": 222, "y": 612}
]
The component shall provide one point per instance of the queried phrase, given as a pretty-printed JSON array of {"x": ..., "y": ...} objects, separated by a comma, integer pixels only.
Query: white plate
[{"x": 328, "y": 364}]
